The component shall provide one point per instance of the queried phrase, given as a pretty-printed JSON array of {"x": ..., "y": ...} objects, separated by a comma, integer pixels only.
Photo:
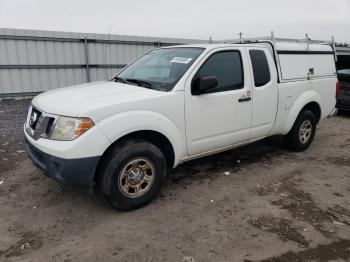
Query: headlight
[{"x": 69, "y": 128}]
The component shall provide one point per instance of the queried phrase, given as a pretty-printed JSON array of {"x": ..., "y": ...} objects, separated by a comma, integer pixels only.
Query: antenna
[{"x": 106, "y": 45}]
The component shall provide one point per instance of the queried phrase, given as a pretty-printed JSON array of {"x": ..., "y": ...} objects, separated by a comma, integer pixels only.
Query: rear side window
[
  {"x": 226, "y": 66},
  {"x": 261, "y": 68}
]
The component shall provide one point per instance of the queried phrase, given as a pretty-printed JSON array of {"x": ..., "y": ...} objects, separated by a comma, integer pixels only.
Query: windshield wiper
[
  {"x": 119, "y": 79},
  {"x": 132, "y": 81},
  {"x": 140, "y": 82}
]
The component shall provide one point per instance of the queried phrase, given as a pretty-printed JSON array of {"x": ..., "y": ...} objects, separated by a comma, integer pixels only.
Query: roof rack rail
[{"x": 272, "y": 39}]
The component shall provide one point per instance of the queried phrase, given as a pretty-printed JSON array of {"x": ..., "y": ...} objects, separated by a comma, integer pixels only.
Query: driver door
[{"x": 221, "y": 117}]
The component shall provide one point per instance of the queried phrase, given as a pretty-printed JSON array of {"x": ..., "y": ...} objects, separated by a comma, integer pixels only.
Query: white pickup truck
[{"x": 175, "y": 104}]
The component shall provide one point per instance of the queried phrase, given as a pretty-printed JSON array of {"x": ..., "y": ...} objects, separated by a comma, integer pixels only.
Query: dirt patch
[
  {"x": 339, "y": 161},
  {"x": 281, "y": 227},
  {"x": 262, "y": 190},
  {"x": 322, "y": 253},
  {"x": 301, "y": 206},
  {"x": 12, "y": 145},
  {"x": 232, "y": 161},
  {"x": 341, "y": 210},
  {"x": 299, "y": 203},
  {"x": 204, "y": 211},
  {"x": 346, "y": 144},
  {"x": 29, "y": 240},
  {"x": 340, "y": 214}
]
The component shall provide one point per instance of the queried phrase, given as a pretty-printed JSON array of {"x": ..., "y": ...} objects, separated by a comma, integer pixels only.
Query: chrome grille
[
  {"x": 34, "y": 118},
  {"x": 39, "y": 124}
]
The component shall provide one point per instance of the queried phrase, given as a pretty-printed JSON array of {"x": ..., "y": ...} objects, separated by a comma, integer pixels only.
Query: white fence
[{"x": 34, "y": 61}]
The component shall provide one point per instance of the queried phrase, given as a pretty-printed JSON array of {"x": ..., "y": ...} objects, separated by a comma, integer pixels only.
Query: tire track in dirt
[{"x": 323, "y": 253}]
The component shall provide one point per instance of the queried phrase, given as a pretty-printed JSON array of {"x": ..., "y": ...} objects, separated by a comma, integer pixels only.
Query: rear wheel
[
  {"x": 132, "y": 174},
  {"x": 302, "y": 133}
]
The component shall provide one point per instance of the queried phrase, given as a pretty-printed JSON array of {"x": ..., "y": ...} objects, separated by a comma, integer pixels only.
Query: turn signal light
[{"x": 84, "y": 125}]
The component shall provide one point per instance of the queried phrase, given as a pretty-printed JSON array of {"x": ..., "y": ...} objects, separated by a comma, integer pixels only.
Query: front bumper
[{"x": 72, "y": 172}]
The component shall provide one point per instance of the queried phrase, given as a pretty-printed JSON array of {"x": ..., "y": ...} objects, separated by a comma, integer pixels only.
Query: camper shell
[{"x": 297, "y": 59}]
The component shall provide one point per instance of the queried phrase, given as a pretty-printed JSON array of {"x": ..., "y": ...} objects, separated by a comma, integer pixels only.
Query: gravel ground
[{"x": 256, "y": 203}]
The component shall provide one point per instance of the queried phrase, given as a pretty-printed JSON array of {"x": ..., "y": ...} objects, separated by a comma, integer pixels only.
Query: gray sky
[{"x": 220, "y": 19}]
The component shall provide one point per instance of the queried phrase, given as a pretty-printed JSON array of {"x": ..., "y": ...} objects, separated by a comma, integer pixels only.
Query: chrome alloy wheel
[
  {"x": 305, "y": 131},
  {"x": 136, "y": 177}
]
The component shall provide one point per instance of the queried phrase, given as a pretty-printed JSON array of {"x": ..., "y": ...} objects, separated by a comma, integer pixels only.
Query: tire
[
  {"x": 302, "y": 133},
  {"x": 131, "y": 174}
]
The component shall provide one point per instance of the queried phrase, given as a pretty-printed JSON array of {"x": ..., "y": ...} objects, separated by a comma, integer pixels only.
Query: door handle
[{"x": 244, "y": 99}]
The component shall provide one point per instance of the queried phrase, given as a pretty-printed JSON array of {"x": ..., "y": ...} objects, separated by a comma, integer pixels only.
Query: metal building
[{"x": 33, "y": 61}]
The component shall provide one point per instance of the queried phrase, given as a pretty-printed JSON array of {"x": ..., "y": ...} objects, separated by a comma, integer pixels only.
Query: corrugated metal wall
[{"x": 33, "y": 61}]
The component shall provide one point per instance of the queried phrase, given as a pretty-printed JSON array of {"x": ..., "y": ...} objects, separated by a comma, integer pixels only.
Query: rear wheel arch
[
  {"x": 315, "y": 108},
  {"x": 312, "y": 106},
  {"x": 309, "y": 100}
]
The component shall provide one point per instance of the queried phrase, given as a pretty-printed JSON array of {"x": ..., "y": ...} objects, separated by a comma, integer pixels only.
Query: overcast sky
[{"x": 220, "y": 19}]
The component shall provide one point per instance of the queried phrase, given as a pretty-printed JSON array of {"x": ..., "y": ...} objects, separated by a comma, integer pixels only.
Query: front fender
[
  {"x": 121, "y": 124},
  {"x": 300, "y": 102}
]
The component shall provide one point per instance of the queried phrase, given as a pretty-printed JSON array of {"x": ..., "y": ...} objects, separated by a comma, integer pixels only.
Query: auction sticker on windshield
[{"x": 181, "y": 60}]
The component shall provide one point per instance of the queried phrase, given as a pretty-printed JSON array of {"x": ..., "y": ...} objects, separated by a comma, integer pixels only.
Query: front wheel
[
  {"x": 302, "y": 133},
  {"x": 132, "y": 174}
]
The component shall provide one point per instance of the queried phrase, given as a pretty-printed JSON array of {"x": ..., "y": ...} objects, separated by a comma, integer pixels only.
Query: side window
[
  {"x": 227, "y": 67},
  {"x": 261, "y": 68}
]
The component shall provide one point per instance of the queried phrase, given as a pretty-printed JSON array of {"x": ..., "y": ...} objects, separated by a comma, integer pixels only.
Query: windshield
[{"x": 160, "y": 69}]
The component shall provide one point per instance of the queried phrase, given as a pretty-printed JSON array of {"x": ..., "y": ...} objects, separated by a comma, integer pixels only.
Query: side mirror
[{"x": 204, "y": 85}]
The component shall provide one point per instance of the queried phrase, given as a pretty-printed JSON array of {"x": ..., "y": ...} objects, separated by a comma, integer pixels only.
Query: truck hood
[{"x": 82, "y": 100}]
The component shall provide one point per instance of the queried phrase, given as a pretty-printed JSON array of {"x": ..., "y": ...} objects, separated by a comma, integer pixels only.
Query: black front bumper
[{"x": 72, "y": 172}]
